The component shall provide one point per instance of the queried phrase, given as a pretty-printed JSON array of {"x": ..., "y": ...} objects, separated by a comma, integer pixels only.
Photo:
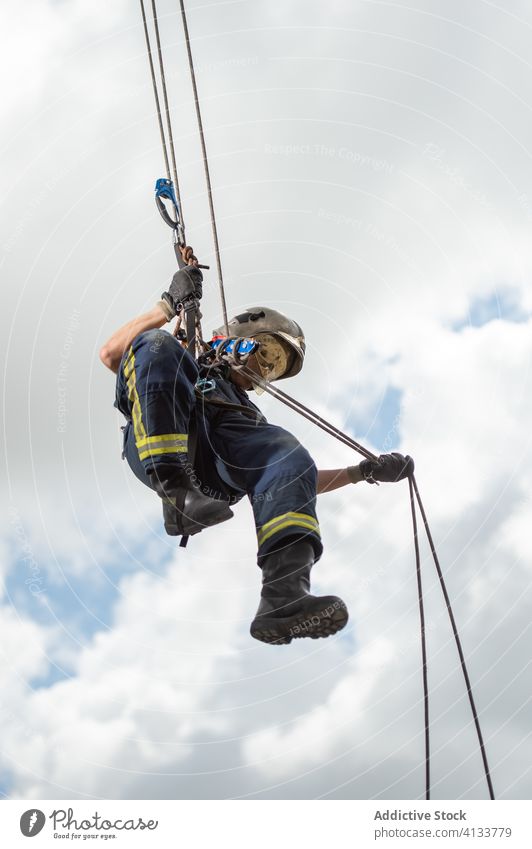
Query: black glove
[
  {"x": 387, "y": 468},
  {"x": 186, "y": 285}
]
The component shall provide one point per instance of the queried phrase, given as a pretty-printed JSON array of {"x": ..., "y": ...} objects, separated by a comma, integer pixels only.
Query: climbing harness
[{"x": 233, "y": 351}]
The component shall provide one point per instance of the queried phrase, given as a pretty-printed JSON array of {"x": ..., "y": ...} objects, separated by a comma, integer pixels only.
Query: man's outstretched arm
[
  {"x": 329, "y": 479},
  {"x": 111, "y": 353},
  {"x": 386, "y": 468}
]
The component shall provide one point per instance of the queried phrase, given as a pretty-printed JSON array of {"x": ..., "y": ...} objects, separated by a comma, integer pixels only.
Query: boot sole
[{"x": 321, "y": 620}]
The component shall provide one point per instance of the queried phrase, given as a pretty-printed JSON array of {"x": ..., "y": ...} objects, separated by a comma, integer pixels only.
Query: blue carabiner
[
  {"x": 205, "y": 385},
  {"x": 164, "y": 189}
]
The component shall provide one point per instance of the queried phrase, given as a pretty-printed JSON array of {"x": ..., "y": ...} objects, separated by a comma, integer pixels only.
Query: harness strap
[
  {"x": 227, "y": 405},
  {"x": 192, "y": 445}
]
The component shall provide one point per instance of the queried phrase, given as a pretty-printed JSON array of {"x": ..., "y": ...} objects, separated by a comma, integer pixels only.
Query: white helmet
[{"x": 282, "y": 341}]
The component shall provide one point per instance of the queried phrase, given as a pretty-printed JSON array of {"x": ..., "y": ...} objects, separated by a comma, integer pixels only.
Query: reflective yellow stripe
[
  {"x": 133, "y": 395},
  {"x": 290, "y": 515},
  {"x": 153, "y": 452},
  {"x": 287, "y": 520},
  {"x": 129, "y": 362},
  {"x": 178, "y": 438},
  {"x": 289, "y": 524},
  {"x": 149, "y": 446}
]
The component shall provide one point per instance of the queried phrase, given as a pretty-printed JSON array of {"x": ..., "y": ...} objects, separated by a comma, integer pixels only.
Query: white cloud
[
  {"x": 320, "y": 735},
  {"x": 136, "y": 688}
]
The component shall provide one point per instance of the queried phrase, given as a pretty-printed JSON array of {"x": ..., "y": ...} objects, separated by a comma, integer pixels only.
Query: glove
[
  {"x": 387, "y": 468},
  {"x": 186, "y": 285}
]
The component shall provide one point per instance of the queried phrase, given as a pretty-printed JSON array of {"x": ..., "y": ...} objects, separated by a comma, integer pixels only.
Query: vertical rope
[
  {"x": 423, "y": 640},
  {"x": 206, "y": 168},
  {"x": 347, "y": 440},
  {"x": 167, "y": 110},
  {"x": 155, "y": 92},
  {"x": 457, "y": 640}
]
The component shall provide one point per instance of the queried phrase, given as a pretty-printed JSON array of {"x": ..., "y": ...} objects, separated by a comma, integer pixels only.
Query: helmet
[{"x": 282, "y": 341}]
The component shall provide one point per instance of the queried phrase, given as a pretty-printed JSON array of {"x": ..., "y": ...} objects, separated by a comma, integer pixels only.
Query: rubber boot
[
  {"x": 287, "y": 609},
  {"x": 186, "y": 509}
]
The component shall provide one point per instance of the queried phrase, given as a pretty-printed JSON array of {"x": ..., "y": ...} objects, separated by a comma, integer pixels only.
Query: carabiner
[{"x": 205, "y": 385}]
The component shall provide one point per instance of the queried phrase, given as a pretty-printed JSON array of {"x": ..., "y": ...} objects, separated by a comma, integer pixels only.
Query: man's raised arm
[
  {"x": 186, "y": 284},
  {"x": 111, "y": 353}
]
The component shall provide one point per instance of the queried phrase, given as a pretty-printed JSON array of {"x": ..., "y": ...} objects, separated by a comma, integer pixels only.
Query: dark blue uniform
[{"x": 235, "y": 454}]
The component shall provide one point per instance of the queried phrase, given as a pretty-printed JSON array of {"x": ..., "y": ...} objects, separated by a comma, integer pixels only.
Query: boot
[
  {"x": 186, "y": 509},
  {"x": 287, "y": 609}
]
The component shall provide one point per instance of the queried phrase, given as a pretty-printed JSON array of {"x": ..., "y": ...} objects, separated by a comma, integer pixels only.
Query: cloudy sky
[{"x": 372, "y": 170}]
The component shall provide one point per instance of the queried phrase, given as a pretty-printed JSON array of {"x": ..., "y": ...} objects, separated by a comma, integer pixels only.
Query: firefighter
[{"x": 194, "y": 436}]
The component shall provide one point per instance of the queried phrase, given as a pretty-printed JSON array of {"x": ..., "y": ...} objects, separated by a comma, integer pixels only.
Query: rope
[
  {"x": 457, "y": 640},
  {"x": 423, "y": 638},
  {"x": 307, "y": 413},
  {"x": 155, "y": 90},
  {"x": 167, "y": 110},
  {"x": 296, "y": 405},
  {"x": 170, "y": 145},
  {"x": 206, "y": 168},
  {"x": 347, "y": 440}
]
